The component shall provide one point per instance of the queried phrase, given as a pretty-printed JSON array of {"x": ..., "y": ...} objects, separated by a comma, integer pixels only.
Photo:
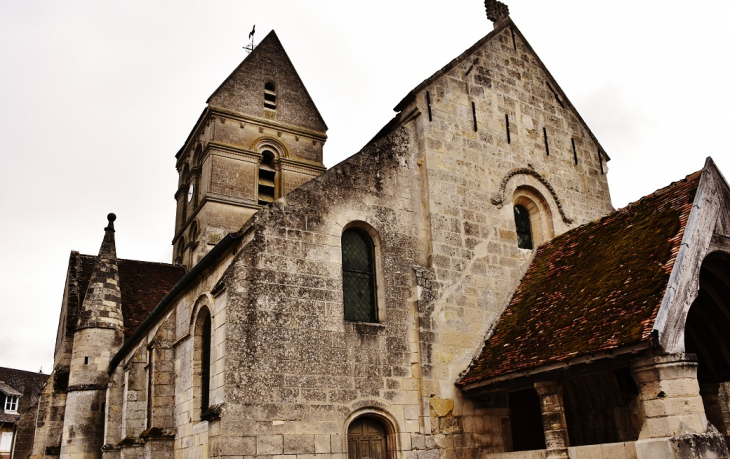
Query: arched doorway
[
  {"x": 707, "y": 333},
  {"x": 367, "y": 439}
]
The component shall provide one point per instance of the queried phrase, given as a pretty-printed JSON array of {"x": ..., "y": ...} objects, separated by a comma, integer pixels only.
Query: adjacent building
[{"x": 19, "y": 392}]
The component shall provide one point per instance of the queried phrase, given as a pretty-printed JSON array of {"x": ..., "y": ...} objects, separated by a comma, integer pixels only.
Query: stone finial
[
  {"x": 496, "y": 11},
  {"x": 110, "y": 226},
  {"x": 102, "y": 306}
]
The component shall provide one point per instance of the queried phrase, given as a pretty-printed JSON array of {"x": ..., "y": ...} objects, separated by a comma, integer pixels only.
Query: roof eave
[{"x": 558, "y": 366}]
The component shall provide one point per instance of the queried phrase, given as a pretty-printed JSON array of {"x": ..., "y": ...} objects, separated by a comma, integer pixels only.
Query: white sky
[{"x": 96, "y": 97}]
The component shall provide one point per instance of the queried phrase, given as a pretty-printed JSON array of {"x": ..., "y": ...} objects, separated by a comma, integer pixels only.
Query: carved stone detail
[
  {"x": 496, "y": 10},
  {"x": 498, "y": 199}
]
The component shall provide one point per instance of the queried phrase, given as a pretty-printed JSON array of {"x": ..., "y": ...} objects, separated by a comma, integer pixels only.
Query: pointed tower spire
[
  {"x": 497, "y": 12},
  {"x": 102, "y": 307}
]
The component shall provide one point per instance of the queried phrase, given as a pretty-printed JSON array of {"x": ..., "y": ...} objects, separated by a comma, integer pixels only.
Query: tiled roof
[
  {"x": 595, "y": 288},
  {"x": 25, "y": 383},
  {"x": 7, "y": 390},
  {"x": 143, "y": 284}
]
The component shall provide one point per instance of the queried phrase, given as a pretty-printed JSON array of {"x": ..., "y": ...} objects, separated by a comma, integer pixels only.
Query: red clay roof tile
[{"x": 594, "y": 288}]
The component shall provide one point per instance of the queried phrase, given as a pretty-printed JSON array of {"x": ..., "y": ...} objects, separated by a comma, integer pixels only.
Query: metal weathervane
[{"x": 251, "y": 45}]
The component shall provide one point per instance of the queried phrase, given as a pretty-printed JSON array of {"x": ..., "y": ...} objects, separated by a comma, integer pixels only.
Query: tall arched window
[
  {"x": 202, "y": 360},
  {"x": 205, "y": 366},
  {"x": 524, "y": 229},
  {"x": 184, "y": 181},
  {"x": 267, "y": 178},
  {"x": 270, "y": 96},
  {"x": 358, "y": 276},
  {"x": 194, "y": 232}
]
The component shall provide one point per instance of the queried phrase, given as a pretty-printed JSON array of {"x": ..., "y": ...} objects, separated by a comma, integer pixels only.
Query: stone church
[{"x": 459, "y": 288}]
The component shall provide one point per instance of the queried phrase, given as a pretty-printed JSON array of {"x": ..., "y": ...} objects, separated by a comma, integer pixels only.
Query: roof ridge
[
  {"x": 626, "y": 209},
  {"x": 162, "y": 263},
  {"x": 659, "y": 191}
]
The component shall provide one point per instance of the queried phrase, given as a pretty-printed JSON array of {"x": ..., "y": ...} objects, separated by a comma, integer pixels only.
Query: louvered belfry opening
[
  {"x": 270, "y": 96},
  {"x": 267, "y": 178},
  {"x": 366, "y": 439},
  {"x": 358, "y": 276}
]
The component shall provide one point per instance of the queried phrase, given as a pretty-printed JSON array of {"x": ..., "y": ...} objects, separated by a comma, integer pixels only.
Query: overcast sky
[{"x": 96, "y": 97}]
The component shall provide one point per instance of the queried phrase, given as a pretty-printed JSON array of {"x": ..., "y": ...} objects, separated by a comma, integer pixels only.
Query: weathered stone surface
[{"x": 288, "y": 376}]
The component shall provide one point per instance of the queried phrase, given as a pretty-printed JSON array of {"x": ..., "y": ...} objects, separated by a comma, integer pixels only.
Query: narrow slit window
[
  {"x": 428, "y": 104},
  {"x": 474, "y": 114},
  {"x": 509, "y": 137},
  {"x": 575, "y": 152},
  {"x": 267, "y": 179},
  {"x": 358, "y": 276},
  {"x": 555, "y": 93},
  {"x": 600, "y": 161},
  {"x": 547, "y": 146},
  {"x": 514, "y": 41},
  {"x": 270, "y": 96},
  {"x": 523, "y": 227}
]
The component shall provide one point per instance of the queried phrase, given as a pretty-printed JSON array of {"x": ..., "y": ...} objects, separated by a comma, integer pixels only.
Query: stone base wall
[{"x": 690, "y": 446}]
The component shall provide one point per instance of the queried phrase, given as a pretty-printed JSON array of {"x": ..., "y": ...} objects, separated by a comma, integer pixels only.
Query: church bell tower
[{"x": 260, "y": 137}]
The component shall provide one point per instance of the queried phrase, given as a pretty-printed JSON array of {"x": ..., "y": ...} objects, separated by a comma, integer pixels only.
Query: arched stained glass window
[
  {"x": 524, "y": 230},
  {"x": 358, "y": 276}
]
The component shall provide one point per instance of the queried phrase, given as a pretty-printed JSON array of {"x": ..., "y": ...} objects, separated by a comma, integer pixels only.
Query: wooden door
[{"x": 366, "y": 440}]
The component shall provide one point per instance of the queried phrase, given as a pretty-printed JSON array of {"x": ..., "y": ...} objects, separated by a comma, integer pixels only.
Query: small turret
[
  {"x": 102, "y": 307},
  {"x": 99, "y": 335}
]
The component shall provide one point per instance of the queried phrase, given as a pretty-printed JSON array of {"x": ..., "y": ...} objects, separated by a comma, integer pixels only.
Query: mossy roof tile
[{"x": 594, "y": 288}]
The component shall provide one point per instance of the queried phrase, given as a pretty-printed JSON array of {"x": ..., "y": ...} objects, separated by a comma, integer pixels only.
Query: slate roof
[
  {"x": 143, "y": 284},
  {"x": 595, "y": 288},
  {"x": 7, "y": 390},
  {"x": 27, "y": 384}
]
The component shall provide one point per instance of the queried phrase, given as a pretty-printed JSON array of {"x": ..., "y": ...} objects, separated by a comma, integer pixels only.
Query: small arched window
[
  {"x": 270, "y": 96},
  {"x": 267, "y": 178},
  {"x": 524, "y": 229},
  {"x": 180, "y": 250},
  {"x": 194, "y": 232},
  {"x": 358, "y": 276}
]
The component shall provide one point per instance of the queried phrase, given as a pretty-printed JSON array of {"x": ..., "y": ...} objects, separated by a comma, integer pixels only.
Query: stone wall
[
  {"x": 472, "y": 176},
  {"x": 288, "y": 373},
  {"x": 296, "y": 372}
]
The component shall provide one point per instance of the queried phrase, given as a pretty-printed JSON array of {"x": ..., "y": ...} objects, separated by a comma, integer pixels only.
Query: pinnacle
[
  {"x": 496, "y": 11},
  {"x": 102, "y": 307}
]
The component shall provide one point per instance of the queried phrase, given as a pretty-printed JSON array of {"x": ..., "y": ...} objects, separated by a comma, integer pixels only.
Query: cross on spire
[{"x": 496, "y": 11}]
